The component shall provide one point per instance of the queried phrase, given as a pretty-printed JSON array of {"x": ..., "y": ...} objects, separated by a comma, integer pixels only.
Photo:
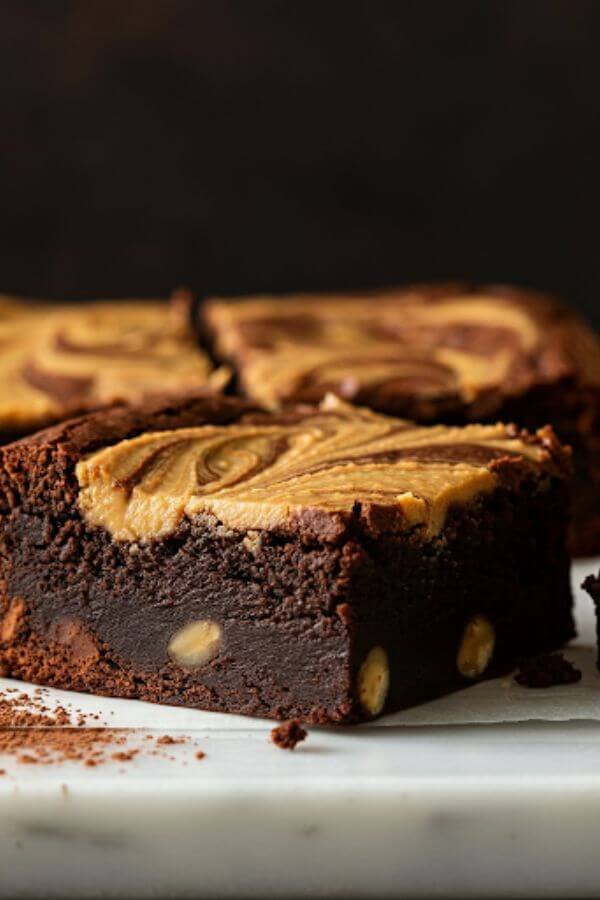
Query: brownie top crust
[
  {"x": 445, "y": 345},
  {"x": 307, "y": 469},
  {"x": 58, "y": 359}
]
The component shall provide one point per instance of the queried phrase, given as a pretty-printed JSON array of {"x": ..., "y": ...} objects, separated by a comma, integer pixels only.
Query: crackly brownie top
[
  {"x": 308, "y": 469},
  {"x": 446, "y": 345},
  {"x": 58, "y": 359}
]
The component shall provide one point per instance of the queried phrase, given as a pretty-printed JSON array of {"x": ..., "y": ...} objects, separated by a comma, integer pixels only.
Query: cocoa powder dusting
[
  {"x": 48, "y": 746},
  {"x": 21, "y": 711},
  {"x": 36, "y": 734}
]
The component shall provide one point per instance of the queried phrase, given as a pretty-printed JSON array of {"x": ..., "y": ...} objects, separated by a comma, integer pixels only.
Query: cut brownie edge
[{"x": 297, "y": 625}]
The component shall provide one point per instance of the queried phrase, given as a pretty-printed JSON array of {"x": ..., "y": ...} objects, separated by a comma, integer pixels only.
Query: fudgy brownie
[
  {"x": 59, "y": 360},
  {"x": 443, "y": 353},
  {"x": 323, "y": 564}
]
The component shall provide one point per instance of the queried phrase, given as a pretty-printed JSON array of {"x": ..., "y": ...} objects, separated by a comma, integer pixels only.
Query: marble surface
[{"x": 443, "y": 809}]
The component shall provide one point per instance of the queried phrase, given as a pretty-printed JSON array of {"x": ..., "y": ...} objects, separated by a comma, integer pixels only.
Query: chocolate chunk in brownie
[
  {"x": 58, "y": 360},
  {"x": 326, "y": 564},
  {"x": 287, "y": 735},
  {"x": 442, "y": 353},
  {"x": 547, "y": 670}
]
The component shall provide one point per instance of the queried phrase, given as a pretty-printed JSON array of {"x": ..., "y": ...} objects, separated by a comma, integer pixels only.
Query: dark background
[{"x": 242, "y": 146}]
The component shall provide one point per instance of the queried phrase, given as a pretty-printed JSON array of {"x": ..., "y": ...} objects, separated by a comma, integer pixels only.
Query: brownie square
[
  {"x": 326, "y": 564},
  {"x": 433, "y": 353},
  {"x": 59, "y": 360}
]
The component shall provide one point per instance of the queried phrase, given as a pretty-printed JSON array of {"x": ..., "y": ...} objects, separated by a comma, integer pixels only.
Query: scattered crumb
[
  {"x": 167, "y": 740},
  {"x": 125, "y": 755},
  {"x": 28, "y": 759},
  {"x": 34, "y": 732},
  {"x": 547, "y": 670},
  {"x": 288, "y": 734}
]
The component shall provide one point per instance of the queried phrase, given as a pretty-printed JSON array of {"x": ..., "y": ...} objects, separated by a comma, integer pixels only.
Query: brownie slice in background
[
  {"x": 432, "y": 353},
  {"x": 326, "y": 564},
  {"x": 59, "y": 360}
]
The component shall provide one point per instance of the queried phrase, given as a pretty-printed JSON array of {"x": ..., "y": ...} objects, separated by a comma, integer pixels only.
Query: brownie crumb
[
  {"x": 28, "y": 760},
  {"x": 547, "y": 670},
  {"x": 200, "y": 754},
  {"x": 125, "y": 755},
  {"x": 167, "y": 741},
  {"x": 288, "y": 734}
]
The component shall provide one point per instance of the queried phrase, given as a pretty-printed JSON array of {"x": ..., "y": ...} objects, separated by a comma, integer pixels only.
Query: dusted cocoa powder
[
  {"x": 37, "y": 734},
  {"x": 34, "y": 733}
]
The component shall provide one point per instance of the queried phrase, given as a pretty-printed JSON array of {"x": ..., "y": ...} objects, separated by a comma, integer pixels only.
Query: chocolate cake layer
[
  {"x": 323, "y": 564},
  {"x": 58, "y": 360},
  {"x": 441, "y": 353}
]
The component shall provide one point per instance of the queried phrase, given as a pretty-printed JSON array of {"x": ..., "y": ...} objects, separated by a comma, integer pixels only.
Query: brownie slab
[
  {"x": 59, "y": 360},
  {"x": 443, "y": 353},
  {"x": 324, "y": 564}
]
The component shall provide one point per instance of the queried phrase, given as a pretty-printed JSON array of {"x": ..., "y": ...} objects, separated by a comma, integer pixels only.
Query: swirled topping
[
  {"x": 270, "y": 472},
  {"x": 56, "y": 360},
  {"x": 416, "y": 350}
]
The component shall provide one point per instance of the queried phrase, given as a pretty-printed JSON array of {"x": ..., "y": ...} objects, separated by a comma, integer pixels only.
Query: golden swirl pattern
[
  {"x": 264, "y": 472},
  {"x": 438, "y": 345},
  {"x": 60, "y": 359}
]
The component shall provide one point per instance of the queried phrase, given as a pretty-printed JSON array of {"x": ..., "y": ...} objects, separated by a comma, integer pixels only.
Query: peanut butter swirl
[
  {"x": 417, "y": 350},
  {"x": 59, "y": 359},
  {"x": 266, "y": 472}
]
